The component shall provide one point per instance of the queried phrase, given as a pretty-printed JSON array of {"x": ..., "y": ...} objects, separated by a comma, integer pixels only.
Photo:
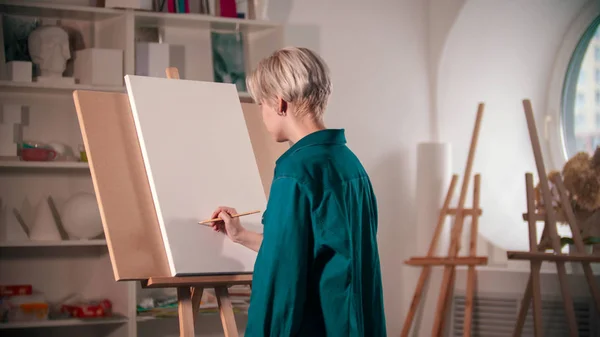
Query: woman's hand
[{"x": 228, "y": 225}]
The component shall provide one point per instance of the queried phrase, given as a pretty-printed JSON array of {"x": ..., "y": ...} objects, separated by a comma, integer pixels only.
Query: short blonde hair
[{"x": 296, "y": 75}]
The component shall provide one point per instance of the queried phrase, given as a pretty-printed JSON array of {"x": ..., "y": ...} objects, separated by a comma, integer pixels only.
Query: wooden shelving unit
[{"x": 62, "y": 268}]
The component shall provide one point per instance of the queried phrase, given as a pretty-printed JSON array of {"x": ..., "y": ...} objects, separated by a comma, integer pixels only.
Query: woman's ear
[{"x": 282, "y": 107}]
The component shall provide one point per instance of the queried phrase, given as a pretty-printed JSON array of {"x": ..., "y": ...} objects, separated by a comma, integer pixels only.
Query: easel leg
[
  {"x": 534, "y": 279},
  {"x": 186, "y": 312},
  {"x": 523, "y": 310},
  {"x": 550, "y": 218},
  {"x": 587, "y": 268},
  {"x": 567, "y": 299},
  {"x": 447, "y": 303},
  {"x": 449, "y": 275},
  {"x": 471, "y": 277},
  {"x": 470, "y": 298},
  {"x": 526, "y": 301},
  {"x": 226, "y": 312},
  {"x": 443, "y": 299},
  {"x": 196, "y": 298},
  {"x": 447, "y": 283},
  {"x": 426, "y": 271}
]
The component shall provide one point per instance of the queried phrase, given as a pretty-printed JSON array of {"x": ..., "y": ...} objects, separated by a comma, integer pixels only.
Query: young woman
[{"x": 317, "y": 271}]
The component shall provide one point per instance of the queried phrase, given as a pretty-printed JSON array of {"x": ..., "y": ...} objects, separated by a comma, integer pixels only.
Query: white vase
[{"x": 44, "y": 227}]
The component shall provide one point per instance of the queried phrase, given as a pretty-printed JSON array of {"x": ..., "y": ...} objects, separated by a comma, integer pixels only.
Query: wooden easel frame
[
  {"x": 452, "y": 259},
  {"x": 536, "y": 256},
  {"x": 191, "y": 288},
  {"x": 130, "y": 223}
]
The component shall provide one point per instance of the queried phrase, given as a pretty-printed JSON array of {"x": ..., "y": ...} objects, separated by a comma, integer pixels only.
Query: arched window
[{"x": 581, "y": 94}]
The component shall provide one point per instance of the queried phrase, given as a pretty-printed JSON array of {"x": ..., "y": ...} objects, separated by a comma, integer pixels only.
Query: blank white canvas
[{"x": 198, "y": 156}]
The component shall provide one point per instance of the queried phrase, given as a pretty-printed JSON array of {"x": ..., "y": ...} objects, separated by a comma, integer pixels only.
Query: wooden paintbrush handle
[{"x": 204, "y": 222}]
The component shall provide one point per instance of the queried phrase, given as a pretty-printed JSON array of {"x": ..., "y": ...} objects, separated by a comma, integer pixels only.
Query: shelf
[
  {"x": 44, "y": 164},
  {"x": 39, "y": 88},
  {"x": 47, "y": 88},
  {"x": 64, "y": 322},
  {"x": 58, "y": 11},
  {"x": 203, "y": 21},
  {"x": 64, "y": 243}
]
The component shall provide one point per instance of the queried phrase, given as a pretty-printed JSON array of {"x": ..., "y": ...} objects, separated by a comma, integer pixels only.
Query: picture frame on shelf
[
  {"x": 229, "y": 59},
  {"x": 15, "y": 35}
]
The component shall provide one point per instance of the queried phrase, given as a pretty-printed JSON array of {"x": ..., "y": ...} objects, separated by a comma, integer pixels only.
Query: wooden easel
[
  {"x": 191, "y": 288},
  {"x": 536, "y": 255},
  {"x": 452, "y": 259},
  {"x": 129, "y": 219}
]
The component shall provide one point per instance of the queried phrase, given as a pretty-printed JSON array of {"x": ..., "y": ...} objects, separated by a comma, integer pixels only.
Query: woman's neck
[{"x": 305, "y": 127}]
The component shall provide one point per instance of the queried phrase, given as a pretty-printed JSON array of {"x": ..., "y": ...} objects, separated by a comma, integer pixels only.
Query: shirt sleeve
[{"x": 281, "y": 268}]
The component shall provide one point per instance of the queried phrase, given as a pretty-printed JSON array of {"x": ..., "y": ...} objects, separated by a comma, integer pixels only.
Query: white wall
[
  {"x": 377, "y": 52},
  {"x": 500, "y": 52},
  {"x": 412, "y": 71}
]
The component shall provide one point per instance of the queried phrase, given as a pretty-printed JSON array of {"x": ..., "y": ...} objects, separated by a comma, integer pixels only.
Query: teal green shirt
[{"x": 317, "y": 271}]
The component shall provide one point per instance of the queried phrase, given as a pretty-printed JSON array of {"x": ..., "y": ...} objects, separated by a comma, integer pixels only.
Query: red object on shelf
[
  {"x": 101, "y": 308},
  {"x": 228, "y": 8},
  {"x": 16, "y": 290},
  {"x": 38, "y": 154}
]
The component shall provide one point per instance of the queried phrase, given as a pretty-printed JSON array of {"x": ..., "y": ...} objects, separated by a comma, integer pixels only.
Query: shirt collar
[{"x": 321, "y": 137}]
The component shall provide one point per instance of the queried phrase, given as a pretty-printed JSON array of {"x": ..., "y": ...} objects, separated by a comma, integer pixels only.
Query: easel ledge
[{"x": 192, "y": 281}]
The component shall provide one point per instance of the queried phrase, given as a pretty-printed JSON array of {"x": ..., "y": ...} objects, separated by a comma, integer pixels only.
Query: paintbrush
[{"x": 209, "y": 221}]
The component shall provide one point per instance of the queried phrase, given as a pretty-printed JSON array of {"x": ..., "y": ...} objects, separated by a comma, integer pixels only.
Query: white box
[
  {"x": 19, "y": 71},
  {"x": 14, "y": 114},
  {"x": 135, "y": 4},
  {"x": 152, "y": 59},
  {"x": 96, "y": 66}
]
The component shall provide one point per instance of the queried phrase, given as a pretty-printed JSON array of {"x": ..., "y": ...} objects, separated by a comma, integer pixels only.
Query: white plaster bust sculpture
[{"x": 49, "y": 49}]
